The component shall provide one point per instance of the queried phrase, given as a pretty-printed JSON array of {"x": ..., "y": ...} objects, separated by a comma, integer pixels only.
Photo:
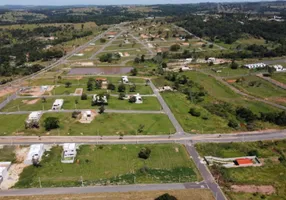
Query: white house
[
  {"x": 4, "y": 167},
  {"x": 185, "y": 68},
  {"x": 57, "y": 105},
  {"x": 255, "y": 66},
  {"x": 125, "y": 79},
  {"x": 279, "y": 68},
  {"x": 139, "y": 99},
  {"x": 33, "y": 118},
  {"x": 36, "y": 152},
  {"x": 211, "y": 60},
  {"x": 96, "y": 98},
  {"x": 79, "y": 54},
  {"x": 69, "y": 153}
]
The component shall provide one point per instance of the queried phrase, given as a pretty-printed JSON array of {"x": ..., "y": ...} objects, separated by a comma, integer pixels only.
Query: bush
[
  {"x": 195, "y": 112},
  {"x": 144, "y": 153},
  {"x": 51, "y": 123},
  {"x": 166, "y": 197},
  {"x": 253, "y": 153},
  {"x": 175, "y": 47},
  {"x": 132, "y": 99},
  {"x": 233, "y": 65},
  {"x": 121, "y": 88},
  {"x": 121, "y": 96},
  {"x": 83, "y": 96},
  {"x": 134, "y": 72},
  {"x": 110, "y": 86},
  {"x": 75, "y": 114},
  {"x": 232, "y": 123}
]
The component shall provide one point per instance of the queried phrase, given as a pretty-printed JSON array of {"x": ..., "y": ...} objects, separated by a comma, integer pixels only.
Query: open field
[
  {"x": 217, "y": 90},
  {"x": 281, "y": 77},
  {"x": 112, "y": 164},
  {"x": 104, "y": 124},
  {"x": 7, "y": 153},
  {"x": 272, "y": 172},
  {"x": 188, "y": 194},
  {"x": 260, "y": 88}
]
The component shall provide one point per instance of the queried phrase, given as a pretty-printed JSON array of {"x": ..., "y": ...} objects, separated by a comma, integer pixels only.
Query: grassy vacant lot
[
  {"x": 217, "y": 90},
  {"x": 7, "y": 153},
  {"x": 34, "y": 104},
  {"x": 281, "y": 77},
  {"x": 114, "y": 164},
  {"x": 180, "y": 106},
  {"x": 105, "y": 124},
  {"x": 197, "y": 194},
  {"x": 258, "y": 87},
  {"x": 271, "y": 173}
]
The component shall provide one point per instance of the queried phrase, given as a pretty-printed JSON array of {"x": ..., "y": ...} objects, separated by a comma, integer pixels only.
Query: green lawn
[
  {"x": 281, "y": 77},
  {"x": 258, "y": 87},
  {"x": 7, "y": 153},
  {"x": 180, "y": 107},
  {"x": 271, "y": 173},
  {"x": 228, "y": 72},
  {"x": 149, "y": 103},
  {"x": 105, "y": 124},
  {"x": 219, "y": 91},
  {"x": 116, "y": 164}
]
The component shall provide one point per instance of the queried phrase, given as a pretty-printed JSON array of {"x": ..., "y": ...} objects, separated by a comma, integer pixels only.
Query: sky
[{"x": 106, "y": 2}]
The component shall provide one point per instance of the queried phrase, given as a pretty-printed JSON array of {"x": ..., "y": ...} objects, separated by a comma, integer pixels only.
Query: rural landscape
[{"x": 143, "y": 102}]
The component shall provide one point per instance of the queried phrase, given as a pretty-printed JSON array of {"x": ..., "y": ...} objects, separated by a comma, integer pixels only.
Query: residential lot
[
  {"x": 281, "y": 77},
  {"x": 271, "y": 173},
  {"x": 104, "y": 124},
  {"x": 116, "y": 164}
]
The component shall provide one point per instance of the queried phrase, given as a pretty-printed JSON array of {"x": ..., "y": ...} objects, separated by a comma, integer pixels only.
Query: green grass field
[
  {"x": 281, "y": 77},
  {"x": 116, "y": 164},
  {"x": 217, "y": 90},
  {"x": 105, "y": 124},
  {"x": 7, "y": 153},
  {"x": 180, "y": 107},
  {"x": 271, "y": 173},
  {"x": 260, "y": 88}
]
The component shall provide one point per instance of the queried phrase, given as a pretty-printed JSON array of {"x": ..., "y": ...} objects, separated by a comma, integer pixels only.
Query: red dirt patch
[
  {"x": 31, "y": 102},
  {"x": 264, "y": 189},
  {"x": 231, "y": 80}
]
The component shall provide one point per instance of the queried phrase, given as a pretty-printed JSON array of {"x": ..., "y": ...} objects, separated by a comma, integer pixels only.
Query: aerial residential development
[{"x": 143, "y": 102}]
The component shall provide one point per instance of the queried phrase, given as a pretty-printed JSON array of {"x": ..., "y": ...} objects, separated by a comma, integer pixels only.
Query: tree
[
  {"x": 232, "y": 123},
  {"x": 134, "y": 72},
  {"x": 98, "y": 84},
  {"x": 75, "y": 114},
  {"x": 106, "y": 58},
  {"x": 271, "y": 70},
  {"x": 137, "y": 60},
  {"x": 101, "y": 109},
  {"x": 164, "y": 65},
  {"x": 121, "y": 96},
  {"x": 166, "y": 196},
  {"x": 110, "y": 86},
  {"x": 175, "y": 47},
  {"x": 132, "y": 88},
  {"x": 44, "y": 100},
  {"x": 133, "y": 44},
  {"x": 144, "y": 153},
  {"x": 83, "y": 96},
  {"x": 132, "y": 99},
  {"x": 194, "y": 112},
  {"x": 233, "y": 65},
  {"x": 121, "y": 88},
  {"x": 68, "y": 84},
  {"x": 140, "y": 128},
  {"x": 142, "y": 58},
  {"x": 51, "y": 123},
  {"x": 102, "y": 40}
]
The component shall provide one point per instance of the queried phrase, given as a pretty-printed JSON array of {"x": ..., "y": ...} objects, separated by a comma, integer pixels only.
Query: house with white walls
[
  {"x": 57, "y": 105},
  {"x": 35, "y": 153},
  {"x": 69, "y": 153}
]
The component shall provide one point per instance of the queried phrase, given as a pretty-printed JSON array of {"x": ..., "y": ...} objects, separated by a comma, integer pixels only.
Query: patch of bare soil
[
  {"x": 280, "y": 99},
  {"x": 74, "y": 77},
  {"x": 264, "y": 189},
  {"x": 231, "y": 80},
  {"x": 37, "y": 91},
  {"x": 31, "y": 102},
  {"x": 15, "y": 169},
  {"x": 88, "y": 49},
  {"x": 78, "y": 91},
  {"x": 199, "y": 43},
  {"x": 8, "y": 91}
]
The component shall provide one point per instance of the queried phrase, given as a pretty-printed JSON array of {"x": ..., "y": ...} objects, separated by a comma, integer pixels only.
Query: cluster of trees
[
  {"x": 93, "y": 84},
  {"x": 109, "y": 57}
]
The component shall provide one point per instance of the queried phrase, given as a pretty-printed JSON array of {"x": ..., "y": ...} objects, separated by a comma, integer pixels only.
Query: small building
[
  {"x": 35, "y": 153},
  {"x": 255, "y": 66},
  {"x": 69, "y": 153},
  {"x": 139, "y": 99},
  {"x": 279, "y": 68},
  {"x": 185, "y": 68},
  {"x": 79, "y": 54},
  {"x": 103, "y": 81},
  {"x": 99, "y": 100},
  {"x": 57, "y": 105},
  {"x": 4, "y": 168},
  {"x": 165, "y": 88},
  {"x": 33, "y": 119},
  {"x": 211, "y": 60},
  {"x": 125, "y": 79}
]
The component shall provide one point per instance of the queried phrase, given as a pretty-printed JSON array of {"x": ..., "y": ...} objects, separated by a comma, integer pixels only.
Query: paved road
[
  {"x": 167, "y": 110},
  {"x": 242, "y": 93},
  {"x": 95, "y": 189}
]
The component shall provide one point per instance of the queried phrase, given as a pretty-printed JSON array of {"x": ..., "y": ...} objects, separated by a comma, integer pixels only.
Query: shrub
[
  {"x": 166, "y": 197},
  {"x": 195, "y": 112},
  {"x": 51, "y": 123},
  {"x": 121, "y": 96},
  {"x": 175, "y": 47},
  {"x": 83, "y": 96},
  {"x": 144, "y": 153},
  {"x": 232, "y": 123},
  {"x": 110, "y": 86},
  {"x": 121, "y": 88},
  {"x": 75, "y": 114},
  {"x": 132, "y": 99}
]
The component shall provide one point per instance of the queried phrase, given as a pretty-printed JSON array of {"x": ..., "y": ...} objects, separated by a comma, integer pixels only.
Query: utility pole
[
  {"x": 40, "y": 183},
  {"x": 81, "y": 179}
]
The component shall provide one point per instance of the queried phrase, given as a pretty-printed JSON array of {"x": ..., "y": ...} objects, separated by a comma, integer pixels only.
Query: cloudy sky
[{"x": 104, "y": 2}]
